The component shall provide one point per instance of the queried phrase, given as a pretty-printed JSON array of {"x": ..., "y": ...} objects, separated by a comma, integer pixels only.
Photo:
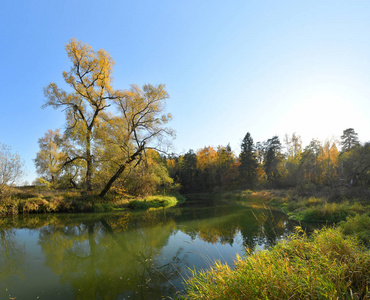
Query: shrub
[
  {"x": 35, "y": 205},
  {"x": 59, "y": 204},
  {"x": 8, "y": 206}
]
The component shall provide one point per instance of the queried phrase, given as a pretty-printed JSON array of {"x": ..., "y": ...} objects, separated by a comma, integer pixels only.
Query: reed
[{"x": 328, "y": 265}]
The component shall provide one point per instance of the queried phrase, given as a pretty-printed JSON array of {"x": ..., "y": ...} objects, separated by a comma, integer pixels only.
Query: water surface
[{"x": 126, "y": 255}]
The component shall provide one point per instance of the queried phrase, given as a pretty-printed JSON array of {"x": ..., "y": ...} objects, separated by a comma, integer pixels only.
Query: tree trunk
[
  {"x": 89, "y": 163},
  {"x": 119, "y": 172},
  {"x": 112, "y": 180}
]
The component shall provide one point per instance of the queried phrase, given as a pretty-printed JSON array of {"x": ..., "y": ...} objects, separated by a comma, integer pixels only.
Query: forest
[{"x": 275, "y": 164}]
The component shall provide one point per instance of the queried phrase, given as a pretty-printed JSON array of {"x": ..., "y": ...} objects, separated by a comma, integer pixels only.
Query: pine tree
[
  {"x": 248, "y": 161},
  {"x": 349, "y": 139}
]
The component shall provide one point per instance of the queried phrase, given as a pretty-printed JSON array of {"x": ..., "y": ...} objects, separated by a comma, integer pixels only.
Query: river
[{"x": 127, "y": 255}]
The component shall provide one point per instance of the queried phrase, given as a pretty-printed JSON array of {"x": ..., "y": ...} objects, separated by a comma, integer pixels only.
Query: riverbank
[
  {"x": 332, "y": 263},
  {"x": 28, "y": 200},
  {"x": 315, "y": 208},
  {"x": 327, "y": 265}
]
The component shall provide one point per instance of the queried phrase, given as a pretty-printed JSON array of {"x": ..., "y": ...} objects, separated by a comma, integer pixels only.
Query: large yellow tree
[
  {"x": 135, "y": 123},
  {"x": 90, "y": 78}
]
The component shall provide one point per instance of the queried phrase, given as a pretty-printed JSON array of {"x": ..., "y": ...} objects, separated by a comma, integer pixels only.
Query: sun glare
[{"x": 320, "y": 118}]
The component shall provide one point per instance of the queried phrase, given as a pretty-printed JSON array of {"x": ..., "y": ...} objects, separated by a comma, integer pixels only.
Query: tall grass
[
  {"x": 358, "y": 226},
  {"x": 319, "y": 210},
  {"x": 327, "y": 265}
]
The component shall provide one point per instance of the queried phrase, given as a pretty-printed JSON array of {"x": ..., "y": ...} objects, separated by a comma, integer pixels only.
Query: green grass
[
  {"x": 302, "y": 208},
  {"x": 155, "y": 202},
  {"x": 328, "y": 265},
  {"x": 328, "y": 212},
  {"x": 319, "y": 210},
  {"x": 358, "y": 226},
  {"x": 34, "y": 200}
]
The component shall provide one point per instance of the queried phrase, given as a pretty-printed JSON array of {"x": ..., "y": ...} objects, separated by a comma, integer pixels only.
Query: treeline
[{"x": 274, "y": 164}]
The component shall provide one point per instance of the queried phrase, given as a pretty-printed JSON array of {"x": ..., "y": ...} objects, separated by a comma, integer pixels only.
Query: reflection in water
[
  {"x": 102, "y": 259},
  {"x": 142, "y": 255},
  {"x": 11, "y": 261}
]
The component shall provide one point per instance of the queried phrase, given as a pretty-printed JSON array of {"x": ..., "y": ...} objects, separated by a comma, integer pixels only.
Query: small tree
[
  {"x": 11, "y": 167},
  {"x": 51, "y": 157}
]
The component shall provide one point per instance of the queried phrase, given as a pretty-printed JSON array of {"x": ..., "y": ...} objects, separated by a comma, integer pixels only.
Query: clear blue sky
[{"x": 267, "y": 67}]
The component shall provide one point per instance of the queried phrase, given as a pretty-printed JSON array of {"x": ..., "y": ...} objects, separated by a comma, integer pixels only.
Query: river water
[{"x": 127, "y": 255}]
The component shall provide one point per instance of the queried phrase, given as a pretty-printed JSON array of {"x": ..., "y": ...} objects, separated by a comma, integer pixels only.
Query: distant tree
[
  {"x": 207, "y": 167},
  {"x": 51, "y": 157},
  {"x": 226, "y": 171},
  {"x": 327, "y": 161},
  {"x": 349, "y": 139},
  {"x": 248, "y": 161},
  {"x": 308, "y": 164},
  {"x": 260, "y": 152},
  {"x": 11, "y": 168},
  {"x": 293, "y": 147},
  {"x": 356, "y": 166},
  {"x": 273, "y": 160},
  {"x": 188, "y": 172}
]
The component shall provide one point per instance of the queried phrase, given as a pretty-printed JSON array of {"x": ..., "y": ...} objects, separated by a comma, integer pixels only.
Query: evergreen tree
[
  {"x": 349, "y": 139},
  {"x": 188, "y": 173},
  {"x": 248, "y": 161},
  {"x": 273, "y": 159}
]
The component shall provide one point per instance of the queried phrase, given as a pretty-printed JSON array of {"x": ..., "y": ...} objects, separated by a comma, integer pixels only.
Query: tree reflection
[
  {"x": 257, "y": 227},
  {"x": 112, "y": 257},
  {"x": 11, "y": 260},
  {"x": 116, "y": 255}
]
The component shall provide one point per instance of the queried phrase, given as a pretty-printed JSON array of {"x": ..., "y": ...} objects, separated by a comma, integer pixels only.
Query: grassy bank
[
  {"x": 317, "y": 209},
  {"x": 327, "y": 265},
  {"x": 333, "y": 263},
  {"x": 33, "y": 200}
]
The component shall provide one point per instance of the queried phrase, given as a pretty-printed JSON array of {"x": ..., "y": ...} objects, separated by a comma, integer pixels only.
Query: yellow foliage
[{"x": 206, "y": 158}]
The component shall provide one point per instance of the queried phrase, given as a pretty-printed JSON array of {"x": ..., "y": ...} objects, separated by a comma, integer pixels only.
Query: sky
[{"x": 230, "y": 67}]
